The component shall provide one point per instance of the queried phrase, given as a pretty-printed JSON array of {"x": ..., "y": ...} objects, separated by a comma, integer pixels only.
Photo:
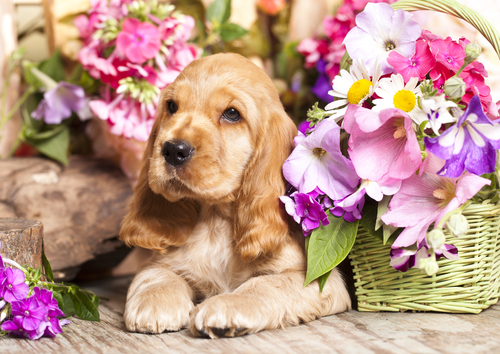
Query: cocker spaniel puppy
[{"x": 207, "y": 200}]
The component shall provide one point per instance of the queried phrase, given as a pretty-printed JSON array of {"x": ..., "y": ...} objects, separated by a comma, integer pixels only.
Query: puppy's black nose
[{"x": 177, "y": 152}]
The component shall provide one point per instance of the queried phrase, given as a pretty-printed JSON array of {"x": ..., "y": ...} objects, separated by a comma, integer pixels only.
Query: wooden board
[
  {"x": 22, "y": 241},
  {"x": 347, "y": 333}
]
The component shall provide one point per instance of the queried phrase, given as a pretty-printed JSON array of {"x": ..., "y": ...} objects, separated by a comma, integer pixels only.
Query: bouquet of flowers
[
  {"x": 408, "y": 142},
  {"x": 32, "y": 307},
  {"x": 134, "y": 49},
  {"x": 324, "y": 52}
]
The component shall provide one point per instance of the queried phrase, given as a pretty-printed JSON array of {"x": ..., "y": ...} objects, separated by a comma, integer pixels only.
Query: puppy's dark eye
[
  {"x": 231, "y": 114},
  {"x": 172, "y": 107}
]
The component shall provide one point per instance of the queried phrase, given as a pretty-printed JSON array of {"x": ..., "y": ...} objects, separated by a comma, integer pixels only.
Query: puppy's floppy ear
[
  {"x": 153, "y": 222},
  {"x": 261, "y": 226}
]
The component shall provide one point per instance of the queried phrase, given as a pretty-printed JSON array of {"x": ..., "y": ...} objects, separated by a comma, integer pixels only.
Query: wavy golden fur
[{"x": 215, "y": 219}]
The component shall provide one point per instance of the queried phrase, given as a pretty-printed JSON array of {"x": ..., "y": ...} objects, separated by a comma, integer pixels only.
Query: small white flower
[
  {"x": 437, "y": 112},
  {"x": 394, "y": 93},
  {"x": 352, "y": 87}
]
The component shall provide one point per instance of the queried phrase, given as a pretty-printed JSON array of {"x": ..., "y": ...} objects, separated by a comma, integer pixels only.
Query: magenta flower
[
  {"x": 471, "y": 144},
  {"x": 448, "y": 53},
  {"x": 138, "y": 41},
  {"x": 383, "y": 146},
  {"x": 15, "y": 327},
  {"x": 380, "y": 30},
  {"x": 418, "y": 66},
  {"x": 306, "y": 211},
  {"x": 58, "y": 103},
  {"x": 13, "y": 287},
  {"x": 425, "y": 198},
  {"x": 30, "y": 311},
  {"x": 403, "y": 259},
  {"x": 317, "y": 161}
]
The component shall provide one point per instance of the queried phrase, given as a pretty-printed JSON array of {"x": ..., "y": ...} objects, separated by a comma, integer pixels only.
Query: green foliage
[
  {"x": 328, "y": 246},
  {"x": 219, "y": 11},
  {"x": 369, "y": 222},
  {"x": 231, "y": 31}
]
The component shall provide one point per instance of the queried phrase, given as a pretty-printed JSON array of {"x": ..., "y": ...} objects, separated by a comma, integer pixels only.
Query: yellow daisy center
[
  {"x": 358, "y": 91},
  {"x": 405, "y": 100}
]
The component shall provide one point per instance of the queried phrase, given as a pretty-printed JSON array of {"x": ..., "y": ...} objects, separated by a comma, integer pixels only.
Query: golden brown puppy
[{"x": 207, "y": 199}]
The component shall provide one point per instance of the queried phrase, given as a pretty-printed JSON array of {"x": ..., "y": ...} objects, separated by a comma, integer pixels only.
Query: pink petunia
[
  {"x": 425, "y": 198},
  {"x": 418, "y": 66},
  {"x": 382, "y": 146},
  {"x": 138, "y": 41}
]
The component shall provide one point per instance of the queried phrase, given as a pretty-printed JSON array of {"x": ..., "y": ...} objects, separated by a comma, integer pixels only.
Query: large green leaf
[
  {"x": 53, "y": 67},
  {"x": 231, "y": 31},
  {"x": 219, "y": 11},
  {"x": 328, "y": 246},
  {"x": 84, "y": 306},
  {"x": 46, "y": 265},
  {"x": 55, "y": 147}
]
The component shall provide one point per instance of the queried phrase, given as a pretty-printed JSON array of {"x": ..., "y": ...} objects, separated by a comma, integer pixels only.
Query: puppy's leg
[
  {"x": 269, "y": 302},
  {"x": 158, "y": 300}
]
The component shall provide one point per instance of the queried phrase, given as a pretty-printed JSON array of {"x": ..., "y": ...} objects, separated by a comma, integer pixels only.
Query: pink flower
[
  {"x": 138, "y": 41},
  {"x": 418, "y": 66},
  {"x": 383, "y": 146},
  {"x": 271, "y": 7},
  {"x": 426, "y": 198},
  {"x": 448, "y": 53},
  {"x": 312, "y": 49}
]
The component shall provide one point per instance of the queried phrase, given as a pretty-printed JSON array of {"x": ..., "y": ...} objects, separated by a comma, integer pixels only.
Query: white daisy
[
  {"x": 394, "y": 93},
  {"x": 437, "y": 112},
  {"x": 352, "y": 87}
]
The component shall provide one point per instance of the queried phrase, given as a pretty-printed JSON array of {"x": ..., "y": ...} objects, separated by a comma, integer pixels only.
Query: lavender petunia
[
  {"x": 470, "y": 144},
  {"x": 317, "y": 161},
  {"x": 58, "y": 103},
  {"x": 379, "y": 30}
]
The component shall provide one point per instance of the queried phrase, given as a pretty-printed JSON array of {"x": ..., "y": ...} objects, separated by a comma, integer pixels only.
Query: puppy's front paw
[
  {"x": 226, "y": 315},
  {"x": 156, "y": 310}
]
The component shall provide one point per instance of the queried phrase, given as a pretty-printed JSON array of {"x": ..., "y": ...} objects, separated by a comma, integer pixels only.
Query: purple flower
[
  {"x": 30, "y": 312},
  {"x": 469, "y": 144},
  {"x": 323, "y": 83},
  {"x": 306, "y": 211},
  {"x": 58, "y": 103},
  {"x": 13, "y": 287},
  {"x": 46, "y": 297},
  {"x": 403, "y": 259},
  {"x": 15, "y": 327},
  {"x": 317, "y": 161}
]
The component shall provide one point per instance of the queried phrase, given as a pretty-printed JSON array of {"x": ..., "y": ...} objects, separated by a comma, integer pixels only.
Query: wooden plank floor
[{"x": 352, "y": 332}]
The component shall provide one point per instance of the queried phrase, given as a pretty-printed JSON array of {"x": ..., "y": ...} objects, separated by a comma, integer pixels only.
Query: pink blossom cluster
[
  {"x": 326, "y": 50},
  {"x": 134, "y": 48},
  {"x": 441, "y": 58}
]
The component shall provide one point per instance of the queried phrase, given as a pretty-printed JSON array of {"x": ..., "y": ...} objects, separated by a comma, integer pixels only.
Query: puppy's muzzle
[{"x": 177, "y": 152}]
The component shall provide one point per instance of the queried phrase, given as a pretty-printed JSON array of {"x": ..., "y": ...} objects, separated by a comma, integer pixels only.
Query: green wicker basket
[{"x": 468, "y": 285}]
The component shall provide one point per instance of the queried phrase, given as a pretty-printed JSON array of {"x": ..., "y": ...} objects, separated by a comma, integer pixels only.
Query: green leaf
[
  {"x": 329, "y": 245},
  {"x": 68, "y": 305},
  {"x": 53, "y": 67},
  {"x": 219, "y": 11},
  {"x": 231, "y": 31},
  {"x": 84, "y": 307},
  {"x": 322, "y": 280},
  {"x": 46, "y": 265},
  {"x": 369, "y": 222},
  {"x": 59, "y": 298},
  {"x": 55, "y": 147},
  {"x": 95, "y": 300}
]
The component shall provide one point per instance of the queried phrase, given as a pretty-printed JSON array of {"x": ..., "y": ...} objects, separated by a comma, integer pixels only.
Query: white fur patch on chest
[{"x": 208, "y": 260}]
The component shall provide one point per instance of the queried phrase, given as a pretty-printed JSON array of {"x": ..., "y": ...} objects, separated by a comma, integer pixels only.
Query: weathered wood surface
[
  {"x": 80, "y": 206},
  {"x": 352, "y": 332},
  {"x": 22, "y": 241}
]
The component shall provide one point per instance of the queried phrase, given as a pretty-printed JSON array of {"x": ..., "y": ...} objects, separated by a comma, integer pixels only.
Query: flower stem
[
  {"x": 453, "y": 212},
  {"x": 16, "y": 106}
]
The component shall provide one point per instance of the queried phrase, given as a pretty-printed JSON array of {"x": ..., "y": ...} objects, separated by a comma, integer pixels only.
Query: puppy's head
[{"x": 221, "y": 135}]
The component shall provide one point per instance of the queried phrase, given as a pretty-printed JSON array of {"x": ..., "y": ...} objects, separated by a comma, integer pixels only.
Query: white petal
[
  {"x": 459, "y": 141},
  {"x": 476, "y": 138}
]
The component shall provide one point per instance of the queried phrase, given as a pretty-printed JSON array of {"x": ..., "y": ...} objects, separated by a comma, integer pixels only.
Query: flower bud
[
  {"x": 472, "y": 51},
  {"x": 457, "y": 225},
  {"x": 436, "y": 238},
  {"x": 429, "y": 266},
  {"x": 454, "y": 87}
]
